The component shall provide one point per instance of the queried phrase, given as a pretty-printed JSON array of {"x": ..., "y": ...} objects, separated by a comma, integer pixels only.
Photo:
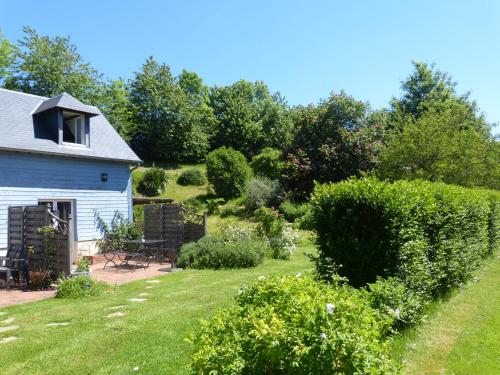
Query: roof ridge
[{"x": 23, "y": 93}]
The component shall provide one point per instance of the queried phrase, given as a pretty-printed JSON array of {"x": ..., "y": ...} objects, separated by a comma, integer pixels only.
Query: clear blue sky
[{"x": 304, "y": 49}]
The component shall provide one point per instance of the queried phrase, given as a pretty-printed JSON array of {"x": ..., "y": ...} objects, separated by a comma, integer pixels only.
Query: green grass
[
  {"x": 151, "y": 335},
  {"x": 462, "y": 334}
]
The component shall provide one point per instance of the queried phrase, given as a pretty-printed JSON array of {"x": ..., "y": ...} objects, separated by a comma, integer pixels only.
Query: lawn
[
  {"x": 151, "y": 336},
  {"x": 462, "y": 334}
]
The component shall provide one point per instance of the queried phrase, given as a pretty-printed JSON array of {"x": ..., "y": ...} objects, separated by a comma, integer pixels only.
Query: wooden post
[
  {"x": 205, "y": 229},
  {"x": 70, "y": 242}
]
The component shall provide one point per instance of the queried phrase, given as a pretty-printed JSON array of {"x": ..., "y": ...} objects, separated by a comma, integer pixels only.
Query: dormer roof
[{"x": 67, "y": 102}]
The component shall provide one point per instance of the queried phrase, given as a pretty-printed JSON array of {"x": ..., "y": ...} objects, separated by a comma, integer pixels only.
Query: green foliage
[
  {"x": 50, "y": 66},
  {"x": 274, "y": 229},
  {"x": 6, "y": 55},
  {"x": 114, "y": 234},
  {"x": 248, "y": 117},
  {"x": 292, "y": 211},
  {"x": 83, "y": 265},
  {"x": 214, "y": 206},
  {"x": 115, "y": 105},
  {"x": 291, "y": 324},
  {"x": 228, "y": 172},
  {"x": 79, "y": 287},
  {"x": 192, "y": 176},
  {"x": 261, "y": 191},
  {"x": 170, "y": 119},
  {"x": 153, "y": 182},
  {"x": 430, "y": 236},
  {"x": 267, "y": 163},
  {"x": 212, "y": 252}
]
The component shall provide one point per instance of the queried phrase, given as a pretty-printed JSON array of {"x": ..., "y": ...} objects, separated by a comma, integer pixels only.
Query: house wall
[{"x": 26, "y": 179}]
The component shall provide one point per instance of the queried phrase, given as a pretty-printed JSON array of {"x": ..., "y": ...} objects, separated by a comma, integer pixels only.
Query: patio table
[{"x": 145, "y": 250}]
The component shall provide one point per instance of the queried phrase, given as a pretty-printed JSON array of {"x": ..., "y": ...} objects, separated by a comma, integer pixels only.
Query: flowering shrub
[
  {"x": 231, "y": 233},
  {"x": 292, "y": 324},
  {"x": 277, "y": 232}
]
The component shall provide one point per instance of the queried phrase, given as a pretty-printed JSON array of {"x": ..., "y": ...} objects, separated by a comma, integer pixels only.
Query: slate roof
[
  {"x": 17, "y": 129},
  {"x": 66, "y": 101}
]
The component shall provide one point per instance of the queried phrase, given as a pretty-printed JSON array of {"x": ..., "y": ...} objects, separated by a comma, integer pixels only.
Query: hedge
[{"x": 431, "y": 236}]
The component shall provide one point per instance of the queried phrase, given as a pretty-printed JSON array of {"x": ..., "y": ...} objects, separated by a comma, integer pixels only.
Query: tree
[
  {"x": 6, "y": 56},
  {"x": 114, "y": 103},
  {"x": 249, "y": 118},
  {"x": 49, "y": 66},
  {"x": 440, "y": 146},
  {"x": 167, "y": 123}
]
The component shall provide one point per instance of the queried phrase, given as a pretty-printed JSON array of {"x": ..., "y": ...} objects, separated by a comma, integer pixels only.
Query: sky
[{"x": 303, "y": 49}]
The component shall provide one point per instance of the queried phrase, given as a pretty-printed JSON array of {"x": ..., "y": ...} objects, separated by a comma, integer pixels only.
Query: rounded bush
[
  {"x": 261, "y": 191},
  {"x": 292, "y": 211},
  {"x": 192, "y": 176},
  {"x": 153, "y": 182},
  {"x": 292, "y": 324},
  {"x": 268, "y": 163},
  {"x": 228, "y": 172},
  {"x": 212, "y": 252}
]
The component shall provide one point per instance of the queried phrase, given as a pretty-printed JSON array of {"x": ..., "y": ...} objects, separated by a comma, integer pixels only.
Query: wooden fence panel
[
  {"x": 15, "y": 225},
  {"x": 153, "y": 221}
]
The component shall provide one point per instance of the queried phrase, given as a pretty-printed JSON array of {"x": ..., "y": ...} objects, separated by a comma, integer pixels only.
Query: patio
[{"x": 111, "y": 275}]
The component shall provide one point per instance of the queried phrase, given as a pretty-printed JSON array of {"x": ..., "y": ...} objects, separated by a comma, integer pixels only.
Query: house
[{"x": 63, "y": 152}]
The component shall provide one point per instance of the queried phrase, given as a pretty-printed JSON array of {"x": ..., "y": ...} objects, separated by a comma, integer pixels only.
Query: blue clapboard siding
[{"x": 25, "y": 179}]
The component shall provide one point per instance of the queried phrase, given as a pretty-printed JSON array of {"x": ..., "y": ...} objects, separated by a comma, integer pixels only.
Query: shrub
[
  {"x": 211, "y": 252},
  {"x": 79, "y": 286},
  {"x": 293, "y": 325},
  {"x": 214, "y": 205},
  {"x": 153, "y": 182},
  {"x": 117, "y": 232},
  {"x": 227, "y": 172},
  {"x": 292, "y": 211},
  {"x": 267, "y": 164},
  {"x": 273, "y": 228},
  {"x": 191, "y": 176},
  {"x": 431, "y": 236},
  {"x": 261, "y": 191}
]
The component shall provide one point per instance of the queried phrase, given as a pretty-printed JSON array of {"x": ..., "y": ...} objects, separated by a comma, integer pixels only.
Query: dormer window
[{"x": 73, "y": 128}]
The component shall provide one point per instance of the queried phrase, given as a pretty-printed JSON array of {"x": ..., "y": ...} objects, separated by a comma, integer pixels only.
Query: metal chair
[{"x": 14, "y": 265}]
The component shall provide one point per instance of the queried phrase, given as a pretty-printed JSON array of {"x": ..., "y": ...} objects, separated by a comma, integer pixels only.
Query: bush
[
  {"x": 292, "y": 211},
  {"x": 211, "y": 252},
  {"x": 431, "y": 236},
  {"x": 214, "y": 205},
  {"x": 273, "y": 228},
  {"x": 191, "y": 176},
  {"x": 293, "y": 325},
  {"x": 117, "y": 232},
  {"x": 267, "y": 164},
  {"x": 79, "y": 286},
  {"x": 153, "y": 182},
  {"x": 261, "y": 191},
  {"x": 227, "y": 172}
]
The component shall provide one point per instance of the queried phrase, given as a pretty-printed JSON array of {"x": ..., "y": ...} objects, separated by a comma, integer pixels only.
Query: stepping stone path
[
  {"x": 144, "y": 294},
  {"x": 5, "y": 340},
  {"x": 57, "y": 324},
  {"x": 137, "y": 299},
  {"x": 2, "y": 313},
  {"x": 8, "y": 328},
  {"x": 8, "y": 321},
  {"x": 150, "y": 286},
  {"x": 153, "y": 281},
  {"x": 116, "y": 314},
  {"x": 117, "y": 307}
]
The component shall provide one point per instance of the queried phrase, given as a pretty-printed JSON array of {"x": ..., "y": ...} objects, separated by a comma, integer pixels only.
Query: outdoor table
[{"x": 146, "y": 249}]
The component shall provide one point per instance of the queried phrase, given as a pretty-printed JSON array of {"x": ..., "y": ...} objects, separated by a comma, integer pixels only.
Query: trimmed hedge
[
  {"x": 431, "y": 236},
  {"x": 293, "y": 324}
]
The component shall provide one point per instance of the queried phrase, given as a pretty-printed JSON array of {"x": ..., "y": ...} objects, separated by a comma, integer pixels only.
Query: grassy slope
[
  {"x": 462, "y": 335},
  {"x": 151, "y": 335}
]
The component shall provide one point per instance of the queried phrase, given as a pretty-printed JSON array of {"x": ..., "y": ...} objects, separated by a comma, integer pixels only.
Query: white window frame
[{"x": 77, "y": 126}]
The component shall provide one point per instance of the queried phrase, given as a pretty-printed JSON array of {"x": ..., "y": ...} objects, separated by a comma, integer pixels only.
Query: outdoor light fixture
[{"x": 104, "y": 177}]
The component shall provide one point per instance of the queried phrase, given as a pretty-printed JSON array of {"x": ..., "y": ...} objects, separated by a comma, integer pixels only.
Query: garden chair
[{"x": 14, "y": 265}]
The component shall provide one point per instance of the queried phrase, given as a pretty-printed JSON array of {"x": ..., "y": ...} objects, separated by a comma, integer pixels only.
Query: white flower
[
  {"x": 282, "y": 280},
  {"x": 330, "y": 307},
  {"x": 298, "y": 274},
  {"x": 322, "y": 336},
  {"x": 261, "y": 277},
  {"x": 397, "y": 313},
  {"x": 136, "y": 368}
]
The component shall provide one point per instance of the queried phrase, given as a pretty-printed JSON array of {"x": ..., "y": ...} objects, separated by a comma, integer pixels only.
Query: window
[{"x": 73, "y": 128}]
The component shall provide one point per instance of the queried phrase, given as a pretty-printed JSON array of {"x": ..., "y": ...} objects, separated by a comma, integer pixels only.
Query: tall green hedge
[{"x": 431, "y": 236}]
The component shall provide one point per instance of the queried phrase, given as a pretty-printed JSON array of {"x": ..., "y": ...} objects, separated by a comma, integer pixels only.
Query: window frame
[{"x": 77, "y": 126}]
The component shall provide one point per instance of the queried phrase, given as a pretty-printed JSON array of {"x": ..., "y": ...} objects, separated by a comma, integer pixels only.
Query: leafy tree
[
  {"x": 248, "y": 117},
  {"x": 49, "y": 66},
  {"x": 6, "y": 55},
  {"x": 167, "y": 123},
  {"x": 440, "y": 146},
  {"x": 114, "y": 103}
]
